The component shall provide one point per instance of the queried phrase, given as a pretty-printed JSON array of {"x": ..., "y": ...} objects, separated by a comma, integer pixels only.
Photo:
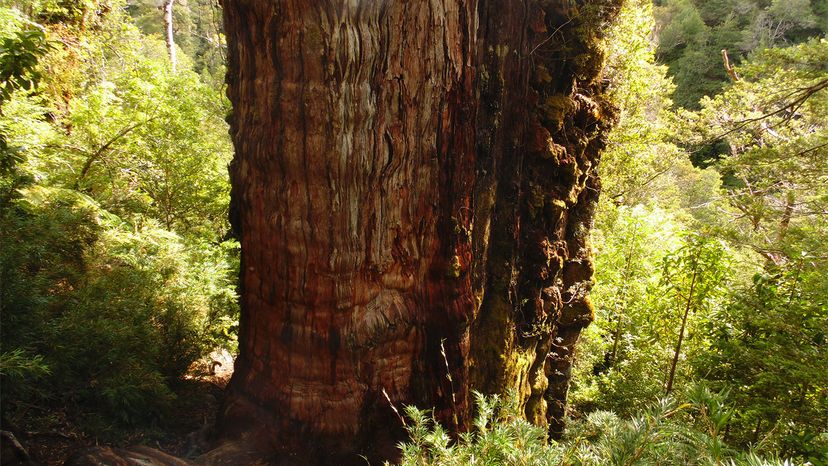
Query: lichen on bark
[{"x": 544, "y": 153}]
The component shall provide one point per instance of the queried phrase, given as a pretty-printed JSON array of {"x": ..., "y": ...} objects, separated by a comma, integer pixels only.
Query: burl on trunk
[{"x": 412, "y": 178}]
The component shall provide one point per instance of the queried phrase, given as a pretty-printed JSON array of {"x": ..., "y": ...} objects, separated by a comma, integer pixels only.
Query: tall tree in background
[
  {"x": 413, "y": 188},
  {"x": 168, "y": 33},
  {"x": 692, "y": 32}
]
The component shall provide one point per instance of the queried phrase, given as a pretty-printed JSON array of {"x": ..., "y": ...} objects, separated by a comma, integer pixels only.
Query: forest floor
[{"x": 185, "y": 433}]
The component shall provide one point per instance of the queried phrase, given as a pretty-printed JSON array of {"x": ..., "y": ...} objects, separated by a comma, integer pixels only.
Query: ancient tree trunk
[{"x": 409, "y": 176}]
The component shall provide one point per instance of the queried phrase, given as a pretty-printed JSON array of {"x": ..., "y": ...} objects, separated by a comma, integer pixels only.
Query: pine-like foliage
[{"x": 667, "y": 432}]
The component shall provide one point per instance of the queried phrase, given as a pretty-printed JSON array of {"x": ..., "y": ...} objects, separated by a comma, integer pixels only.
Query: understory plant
[{"x": 668, "y": 432}]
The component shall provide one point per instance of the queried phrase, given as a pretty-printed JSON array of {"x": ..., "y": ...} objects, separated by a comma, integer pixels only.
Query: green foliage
[
  {"x": 695, "y": 275},
  {"x": 769, "y": 348},
  {"x": 692, "y": 33},
  {"x": 115, "y": 273},
  {"x": 158, "y": 133},
  {"x": 117, "y": 313},
  {"x": 758, "y": 210},
  {"x": 665, "y": 433},
  {"x": 19, "y": 57},
  {"x": 767, "y": 343},
  {"x": 18, "y": 365},
  {"x": 621, "y": 360},
  {"x": 501, "y": 437},
  {"x": 642, "y": 163},
  {"x": 773, "y": 122},
  {"x": 70, "y": 12},
  {"x": 638, "y": 148},
  {"x": 689, "y": 46},
  {"x": 22, "y": 44}
]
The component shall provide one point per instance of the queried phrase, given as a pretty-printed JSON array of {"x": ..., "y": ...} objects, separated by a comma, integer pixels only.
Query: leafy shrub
[
  {"x": 113, "y": 203},
  {"x": 19, "y": 55},
  {"x": 117, "y": 312},
  {"x": 500, "y": 437},
  {"x": 665, "y": 433}
]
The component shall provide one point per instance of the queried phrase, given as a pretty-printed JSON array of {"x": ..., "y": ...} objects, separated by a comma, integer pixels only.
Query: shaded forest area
[{"x": 118, "y": 270}]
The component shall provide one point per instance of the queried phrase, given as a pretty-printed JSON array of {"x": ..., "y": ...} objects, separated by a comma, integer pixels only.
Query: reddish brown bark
[{"x": 408, "y": 174}]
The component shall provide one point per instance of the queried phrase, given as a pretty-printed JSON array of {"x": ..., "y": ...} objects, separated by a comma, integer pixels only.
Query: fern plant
[{"x": 664, "y": 433}]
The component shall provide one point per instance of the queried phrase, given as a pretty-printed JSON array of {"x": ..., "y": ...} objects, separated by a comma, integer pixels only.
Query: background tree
[
  {"x": 691, "y": 33},
  {"x": 169, "y": 34},
  {"x": 693, "y": 276}
]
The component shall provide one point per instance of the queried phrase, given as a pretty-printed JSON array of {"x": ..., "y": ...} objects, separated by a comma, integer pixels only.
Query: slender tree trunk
[
  {"x": 411, "y": 178},
  {"x": 757, "y": 431},
  {"x": 619, "y": 322},
  {"x": 784, "y": 224},
  {"x": 677, "y": 352},
  {"x": 615, "y": 337},
  {"x": 168, "y": 33}
]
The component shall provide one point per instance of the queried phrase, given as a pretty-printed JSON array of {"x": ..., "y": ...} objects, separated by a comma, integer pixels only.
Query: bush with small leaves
[{"x": 665, "y": 433}]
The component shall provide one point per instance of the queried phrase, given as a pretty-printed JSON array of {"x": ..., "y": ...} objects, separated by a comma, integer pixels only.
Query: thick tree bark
[{"x": 409, "y": 176}]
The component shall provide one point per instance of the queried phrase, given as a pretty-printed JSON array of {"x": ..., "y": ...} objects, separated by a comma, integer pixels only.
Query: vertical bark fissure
[{"x": 497, "y": 194}]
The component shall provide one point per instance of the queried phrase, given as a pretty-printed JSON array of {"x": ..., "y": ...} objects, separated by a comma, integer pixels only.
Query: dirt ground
[{"x": 186, "y": 435}]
